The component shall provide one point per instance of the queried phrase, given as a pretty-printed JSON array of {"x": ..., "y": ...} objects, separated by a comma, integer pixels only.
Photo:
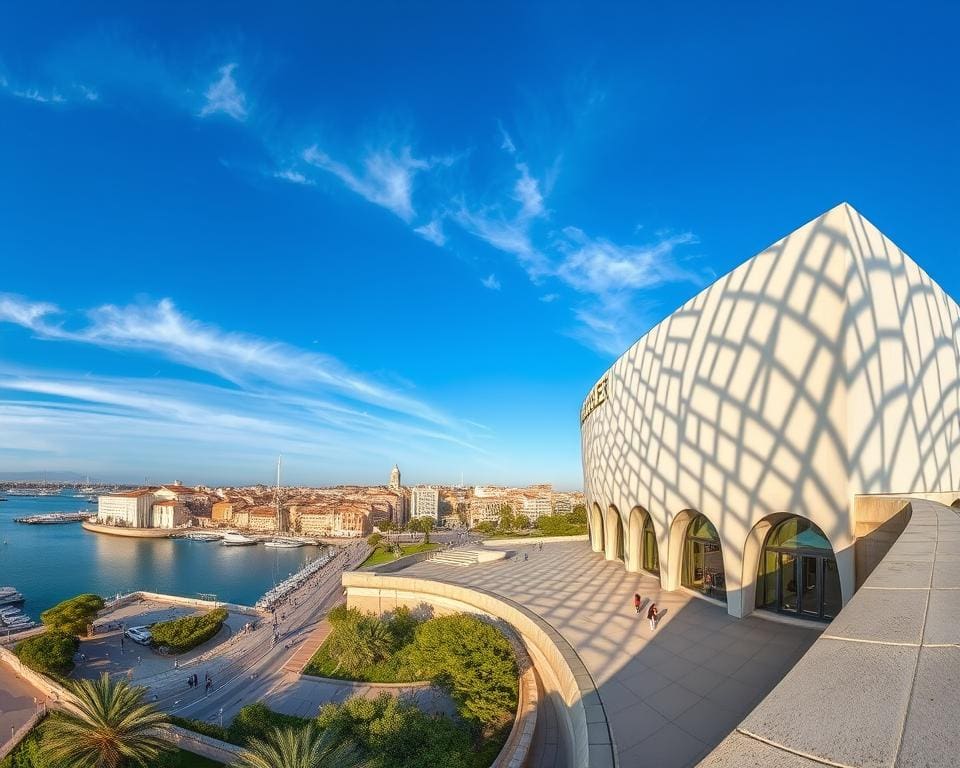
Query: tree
[
  {"x": 474, "y": 660},
  {"x": 301, "y": 748},
  {"x": 112, "y": 727},
  {"x": 521, "y": 521},
  {"x": 386, "y": 526},
  {"x": 415, "y": 525},
  {"x": 374, "y": 539},
  {"x": 506, "y": 517},
  {"x": 73, "y": 616},
  {"x": 426, "y": 525},
  {"x": 485, "y": 526},
  {"x": 396, "y": 734},
  {"x": 356, "y": 640}
]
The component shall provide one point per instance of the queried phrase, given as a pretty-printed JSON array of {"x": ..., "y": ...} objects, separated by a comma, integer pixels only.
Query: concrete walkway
[
  {"x": 18, "y": 703},
  {"x": 671, "y": 695}
]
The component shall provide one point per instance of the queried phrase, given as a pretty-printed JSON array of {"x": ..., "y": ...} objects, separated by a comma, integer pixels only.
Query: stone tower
[{"x": 395, "y": 478}]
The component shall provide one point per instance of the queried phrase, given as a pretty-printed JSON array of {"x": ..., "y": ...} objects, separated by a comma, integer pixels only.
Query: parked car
[{"x": 139, "y": 635}]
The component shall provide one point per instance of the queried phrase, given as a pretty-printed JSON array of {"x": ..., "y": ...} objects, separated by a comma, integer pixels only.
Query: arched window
[
  {"x": 703, "y": 560},
  {"x": 797, "y": 573},
  {"x": 651, "y": 557}
]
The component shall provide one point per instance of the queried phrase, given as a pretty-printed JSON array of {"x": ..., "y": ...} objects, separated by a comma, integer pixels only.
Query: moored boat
[
  {"x": 237, "y": 540},
  {"x": 280, "y": 542}
]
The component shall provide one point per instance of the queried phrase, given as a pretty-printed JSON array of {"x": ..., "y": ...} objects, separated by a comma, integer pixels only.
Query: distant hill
[{"x": 50, "y": 477}]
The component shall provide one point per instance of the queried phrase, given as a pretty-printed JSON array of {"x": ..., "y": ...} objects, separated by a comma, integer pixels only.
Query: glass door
[
  {"x": 789, "y": 591},
  {"x": 810, "y": 598}
]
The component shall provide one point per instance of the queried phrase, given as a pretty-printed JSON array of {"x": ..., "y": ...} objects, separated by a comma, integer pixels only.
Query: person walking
[
  {"x": 637, "y": 602},
  {"x": 652, "y": 615}
]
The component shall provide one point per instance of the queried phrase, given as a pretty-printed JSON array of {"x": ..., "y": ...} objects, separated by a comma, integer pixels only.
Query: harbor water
[{"x": 50, "y": 563}]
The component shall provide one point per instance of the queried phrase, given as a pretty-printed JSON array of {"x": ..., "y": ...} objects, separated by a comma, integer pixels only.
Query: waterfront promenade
[
  {"x": 19, "y": 702},
  {"x": 671, "y": 694}
]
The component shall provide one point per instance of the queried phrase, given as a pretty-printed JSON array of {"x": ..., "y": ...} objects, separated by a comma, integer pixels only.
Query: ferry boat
[
  {"x": 280, "y": 542},
  {"x": 236, "y": 540}
]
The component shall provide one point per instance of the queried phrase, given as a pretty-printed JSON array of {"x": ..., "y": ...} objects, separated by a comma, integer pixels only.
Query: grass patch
[{"x": 380, "y": 555}]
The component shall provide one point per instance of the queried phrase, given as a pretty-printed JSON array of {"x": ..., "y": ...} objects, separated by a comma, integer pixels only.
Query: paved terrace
[
  {"x": 670, "y": 695},
  {"x": 881, "y": 687}
]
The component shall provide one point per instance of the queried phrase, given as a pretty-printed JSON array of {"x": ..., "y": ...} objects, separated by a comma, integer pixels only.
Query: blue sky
[{"x": 362, "y": 234}]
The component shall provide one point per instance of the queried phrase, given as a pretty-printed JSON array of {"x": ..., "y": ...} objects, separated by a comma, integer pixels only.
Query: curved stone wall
[
  {"x": 825, "y": 367},
  {"x": 881, "y": 686},
  {"x": 583, "y": 720}
]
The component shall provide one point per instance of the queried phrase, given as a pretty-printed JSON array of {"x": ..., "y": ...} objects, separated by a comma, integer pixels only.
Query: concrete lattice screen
[{"x": 825, "y": 367}]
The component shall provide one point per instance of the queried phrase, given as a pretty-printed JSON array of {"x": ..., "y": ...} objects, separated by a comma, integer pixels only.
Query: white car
[{"x": 139, "y": 635}]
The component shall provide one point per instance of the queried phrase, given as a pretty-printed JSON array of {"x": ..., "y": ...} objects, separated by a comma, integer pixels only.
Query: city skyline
[{"x": 302, "y": 235}]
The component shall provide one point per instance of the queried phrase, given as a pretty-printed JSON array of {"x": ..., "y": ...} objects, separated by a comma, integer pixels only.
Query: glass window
[
  {"x": 651, "y": 557},
  {"x": 703, "y": 560}
]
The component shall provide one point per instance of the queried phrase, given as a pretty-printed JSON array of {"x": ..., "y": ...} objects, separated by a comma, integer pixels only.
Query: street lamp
[{"x": 221, "y": 717}]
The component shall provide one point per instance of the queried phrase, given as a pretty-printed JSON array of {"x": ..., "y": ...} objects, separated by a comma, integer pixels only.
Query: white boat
[
  {"x": 10, "y": 596},
  {"x": 200, "y": 536},
  {"x": 236, "y": 540},
  {"x": 282, "y": 543}
]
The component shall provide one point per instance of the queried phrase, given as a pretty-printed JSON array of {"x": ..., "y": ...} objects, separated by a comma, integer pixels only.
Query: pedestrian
[
  {"x": 526, "y": 556},
  {"x": 83, "y": 657},
  {"x": 637, "y": 602},
  {"x": 139, "y": 660},
  {"x": 176, "y": 663},
  {"x": 209, "y": 683},
  {"x": 653, "y": 616}
]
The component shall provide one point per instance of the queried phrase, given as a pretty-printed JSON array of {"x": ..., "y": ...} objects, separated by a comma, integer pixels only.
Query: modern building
[
  {"x": 394, "y": 478},
  {"x": 425, "y": 502},
  {"x": 128, "y": 509},
  {"x": 733, "y": 448}
]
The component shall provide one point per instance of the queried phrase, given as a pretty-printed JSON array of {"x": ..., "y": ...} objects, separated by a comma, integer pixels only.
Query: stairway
[{"x": 462, "y": 557}]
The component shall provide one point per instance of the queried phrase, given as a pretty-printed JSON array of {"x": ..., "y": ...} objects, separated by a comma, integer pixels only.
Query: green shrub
[
  {"x": 374, "y": 539},
  {"x": 257, "y": 721},
  {"x": 73, "y": 616},
  {"x": 474, "y": 660},
  {"x": 188, "y": 632},
  {"x": 212, "y": 730},
  {"x": 396, "y": 734},
  {"x": 50, "y": 653}
]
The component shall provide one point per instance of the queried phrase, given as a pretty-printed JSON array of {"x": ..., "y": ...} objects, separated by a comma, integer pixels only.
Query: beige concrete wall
[{"x": 824, "y": 367}]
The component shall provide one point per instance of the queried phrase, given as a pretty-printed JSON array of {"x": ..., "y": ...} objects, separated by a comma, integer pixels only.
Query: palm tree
[
  {"x": 301, "y": 748},
  {"x": 111, "y": 728}
]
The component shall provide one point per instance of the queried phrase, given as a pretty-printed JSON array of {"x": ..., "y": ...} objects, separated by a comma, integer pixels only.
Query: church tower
[{"x": 395, "y": 478}]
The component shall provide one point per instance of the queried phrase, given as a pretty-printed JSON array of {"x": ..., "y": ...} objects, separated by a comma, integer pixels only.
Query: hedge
[
  {"x": 73, "y": 616},
  {"x": 50, "y": 653},
  {"x": 182, "y": 635}
]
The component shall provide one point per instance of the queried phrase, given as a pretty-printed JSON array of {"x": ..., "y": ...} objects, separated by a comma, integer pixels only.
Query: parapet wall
[
  {"x": 585, "y": 732},
  {"x": 881, "y": 686}
]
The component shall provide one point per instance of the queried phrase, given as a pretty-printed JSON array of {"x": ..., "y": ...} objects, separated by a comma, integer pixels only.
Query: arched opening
[
  {"x": 798, "y": 574},
  {"x": 703, "y": 560},
  {"x": 596, "y": 528},
  {"x": 635, "y": 538},
  {"x": 651, "y": 555},
  {"x": 613, "y": 535}
]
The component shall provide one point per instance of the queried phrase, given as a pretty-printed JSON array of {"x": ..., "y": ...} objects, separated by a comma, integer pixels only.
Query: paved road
[{"x": 671, "y": 694}]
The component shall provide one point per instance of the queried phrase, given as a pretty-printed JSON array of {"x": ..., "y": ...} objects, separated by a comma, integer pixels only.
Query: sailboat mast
[{"x": 277, "y": 496}]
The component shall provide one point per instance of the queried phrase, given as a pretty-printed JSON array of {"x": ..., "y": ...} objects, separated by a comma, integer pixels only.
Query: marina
[{"x": 51, "y": 563}]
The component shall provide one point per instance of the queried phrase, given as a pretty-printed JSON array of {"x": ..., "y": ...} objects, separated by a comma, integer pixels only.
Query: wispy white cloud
[
  {"x": 507, "y": 143},
  {"x": 433, "y": 231},
  {"x": 549, "y": 298},
  {"x": 600, "y": 267},
  {"x": 387, "y": 179},
  {"x": 294, "y": 177},
  {"x": 491, "y": 282},
  {"x": 32, "y": 94},
  {"x": 527, "y": 192},
  {"x": 224, "y": 96},
  {"x": 241, "y": 358}
]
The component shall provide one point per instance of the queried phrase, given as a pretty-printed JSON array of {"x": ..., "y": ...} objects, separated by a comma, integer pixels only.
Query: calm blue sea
[{"x": 50, "y": 563}]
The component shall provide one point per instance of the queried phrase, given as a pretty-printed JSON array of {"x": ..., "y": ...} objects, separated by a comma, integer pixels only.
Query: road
[{"x": 253, "y": 668}]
